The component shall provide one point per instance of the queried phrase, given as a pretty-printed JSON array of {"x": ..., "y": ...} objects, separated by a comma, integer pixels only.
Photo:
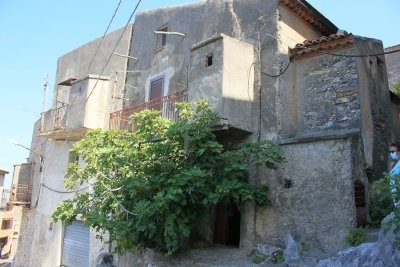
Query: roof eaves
[{"x": 312, "y": 16}]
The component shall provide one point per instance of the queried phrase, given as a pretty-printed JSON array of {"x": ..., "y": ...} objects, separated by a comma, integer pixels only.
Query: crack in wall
[{"x": 237, "y": 27}]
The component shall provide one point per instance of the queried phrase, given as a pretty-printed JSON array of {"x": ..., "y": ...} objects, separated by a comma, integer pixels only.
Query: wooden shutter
[{"x": 156, "y": 93}]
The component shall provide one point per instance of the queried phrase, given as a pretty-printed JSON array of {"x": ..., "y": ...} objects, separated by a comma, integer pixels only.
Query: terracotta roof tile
[{"x": 323, "y": 44}]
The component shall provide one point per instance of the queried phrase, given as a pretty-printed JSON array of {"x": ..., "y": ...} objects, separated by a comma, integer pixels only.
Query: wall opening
[
  {"x": 361, "y": 203},
  {"x": 161, "y": 40},
  {"x": 209, "y": 60},
  {"x": 227, "y": 225},
  {"x": 287, "y": 183}
]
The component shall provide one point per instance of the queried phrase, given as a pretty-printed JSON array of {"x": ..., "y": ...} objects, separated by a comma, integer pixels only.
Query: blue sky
[{"x": 33, "y": 34}]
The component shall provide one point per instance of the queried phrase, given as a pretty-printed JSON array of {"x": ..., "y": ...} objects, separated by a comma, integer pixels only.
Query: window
[
  {"x": 6, "y": 224},
  {"x": 287, "y": 183},
  {"x": 161, "y": 39},
  {"x": 3, "y": 242},
  {"x": 156, "y": 93}
]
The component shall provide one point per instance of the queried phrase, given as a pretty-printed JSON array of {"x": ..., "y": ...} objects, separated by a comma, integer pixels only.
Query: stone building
[
  {"x": 272, "y": 70},
  {"x": 392, "y": 58}
]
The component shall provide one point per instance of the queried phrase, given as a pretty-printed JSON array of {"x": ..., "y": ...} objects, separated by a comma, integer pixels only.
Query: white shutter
[{"x": 75, "y": 249}]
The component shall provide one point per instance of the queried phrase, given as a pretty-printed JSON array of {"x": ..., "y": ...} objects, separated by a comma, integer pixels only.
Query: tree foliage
[
  {"x": 148, "y": 187},
  {"x": 395, "y": 88}
]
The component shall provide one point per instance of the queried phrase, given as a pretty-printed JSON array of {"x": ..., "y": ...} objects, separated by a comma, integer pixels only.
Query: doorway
[
  {"x": 361, "y": 203},
  {"x": 227, "y": 225}
]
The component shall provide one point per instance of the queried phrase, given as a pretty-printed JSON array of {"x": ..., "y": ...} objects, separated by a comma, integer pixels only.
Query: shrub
[{"x": 356, "y": 236}]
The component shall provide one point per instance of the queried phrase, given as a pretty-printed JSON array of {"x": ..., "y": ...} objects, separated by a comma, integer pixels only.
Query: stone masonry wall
[{"x": 328, "y": 94}]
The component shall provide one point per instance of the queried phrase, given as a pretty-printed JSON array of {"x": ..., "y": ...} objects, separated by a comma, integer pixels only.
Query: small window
[
  {"x": 6, "y": 224},
  {"x": 3, "y": 242},
  {"x": 209, "y": 60},
  {"x": 287, "y": 183},
  {"x": 161, "y": 39}
]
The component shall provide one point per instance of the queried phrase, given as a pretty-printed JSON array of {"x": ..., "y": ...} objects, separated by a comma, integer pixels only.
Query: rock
[
  {"x": 291, "y": 252},
  {"x": 267, "y": 250},
  {"x": 383, "y": 253}
]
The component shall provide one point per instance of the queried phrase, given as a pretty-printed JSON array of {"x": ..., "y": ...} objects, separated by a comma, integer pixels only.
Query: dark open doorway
[
  {"x": 227, "y": 225},
  {"x": 361, "y": 203}
]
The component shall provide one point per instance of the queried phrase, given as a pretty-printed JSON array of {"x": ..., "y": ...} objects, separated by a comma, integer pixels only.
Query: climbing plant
[{"x": 147, "y": 188}]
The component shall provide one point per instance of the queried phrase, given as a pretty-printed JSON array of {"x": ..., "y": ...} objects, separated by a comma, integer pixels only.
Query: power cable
[
  {"x": 102, "y": 39},
  {"x": 64, "y": 192},
  {"x": 115, "y": 47},
  {"x": 332, "y": 54},
  {"x": 363, "y": 55},
  {"x": 279, "y": 74}
]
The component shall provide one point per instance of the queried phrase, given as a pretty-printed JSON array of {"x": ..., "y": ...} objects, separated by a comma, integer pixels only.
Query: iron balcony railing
[
  {"x": 54, "y": 119},
  {"x": 21, "y": 194},
  {"x": 121, "y": 119}
]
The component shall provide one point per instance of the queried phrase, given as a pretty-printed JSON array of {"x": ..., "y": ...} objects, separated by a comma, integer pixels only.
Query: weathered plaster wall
[
  {"x": 46, "y": 236},
  {"x": 229, "y": 79},
  {"x": 199, "y": 22},
  {"x": 75, "y": 64},
  {"x": 36, "y": 224},
  {"x": 37, "y": 228},
  {"x": 89, "y": 108},
  {"x": 318, "y": 208},
  {"x": 376, "y": 120},
  {"x": 22, "y": 173},
  {"x": 292, "y": 29}
]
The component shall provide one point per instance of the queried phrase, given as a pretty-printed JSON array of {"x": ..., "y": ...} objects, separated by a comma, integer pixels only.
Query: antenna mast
[{"x": 46, "y": 84}]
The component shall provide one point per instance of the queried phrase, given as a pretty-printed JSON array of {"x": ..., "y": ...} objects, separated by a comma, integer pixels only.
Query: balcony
[
  {"x": 53, "y": 122},
  {"x": 21, "y": 195},
  {"x": 86, "y": 109},
  {"x": 121, "y": 119}
]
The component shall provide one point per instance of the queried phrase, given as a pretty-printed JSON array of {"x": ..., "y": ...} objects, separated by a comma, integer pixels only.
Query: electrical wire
[
  {"x": 110, "y": 191},
  {"x": 115, "y": 47},
  {"x": 363, "y": 55},
  {"x": 279, "y": 74},
  {"x": 64, "y": 192},
  {"x": 332, "y": 54},
  {"x": 104, "y": 35}
]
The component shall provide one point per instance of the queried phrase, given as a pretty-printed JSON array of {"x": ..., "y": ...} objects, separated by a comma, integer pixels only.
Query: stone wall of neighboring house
[
  {"x": 393, "y": 64},
  {"x": 393, "y": 71},
  {"x": 395, "y": 113},
  {"x": 376, "y": 123}
]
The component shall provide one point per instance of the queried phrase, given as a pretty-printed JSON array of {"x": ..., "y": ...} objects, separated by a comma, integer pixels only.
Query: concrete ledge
[{"x": 315, "y": 137}]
